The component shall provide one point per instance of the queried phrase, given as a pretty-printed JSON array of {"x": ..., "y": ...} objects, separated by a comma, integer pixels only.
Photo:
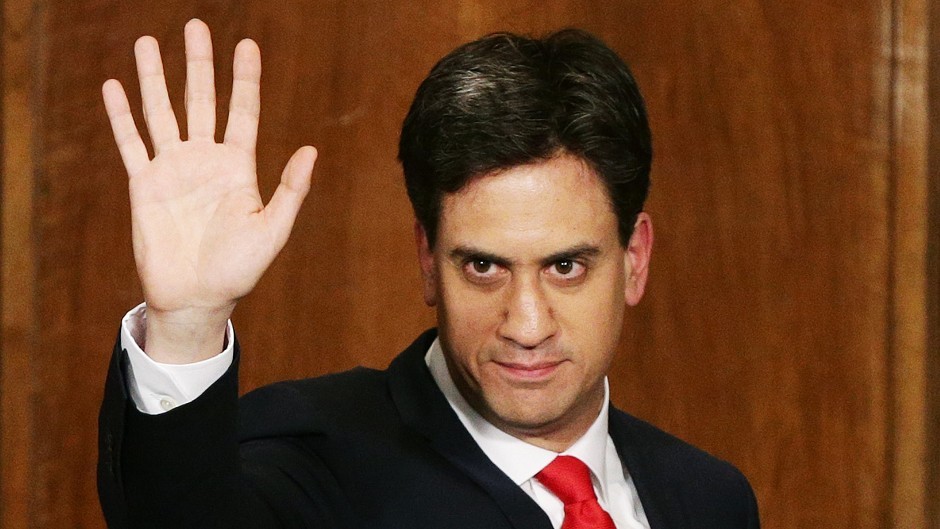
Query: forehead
[{"x": 537, "y": 207}]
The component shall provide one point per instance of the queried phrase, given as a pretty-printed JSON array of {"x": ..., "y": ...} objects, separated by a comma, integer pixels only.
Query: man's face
[{"x": 530, "y": 282}]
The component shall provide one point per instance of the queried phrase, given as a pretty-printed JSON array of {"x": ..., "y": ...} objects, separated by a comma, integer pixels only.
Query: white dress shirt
[
  {"x": 521, "y": 461},
  {"x": 157, "y": 388}
]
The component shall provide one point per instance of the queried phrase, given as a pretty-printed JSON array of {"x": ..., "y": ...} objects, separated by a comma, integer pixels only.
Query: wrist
[{"x": 185, "y": 336}]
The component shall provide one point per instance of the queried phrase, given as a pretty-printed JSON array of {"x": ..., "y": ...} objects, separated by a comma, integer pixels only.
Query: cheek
[
  {"x": 472, "y": 317},
  {"x": 590, "y": 305},
  {"x": 468, "y": 318},
  {"x": 593, "y": 317}
]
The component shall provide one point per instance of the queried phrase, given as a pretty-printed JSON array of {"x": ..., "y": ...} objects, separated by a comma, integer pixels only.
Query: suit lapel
[
  {"x": 663, "y": 509},
  {"x": 425, "y": 409}
]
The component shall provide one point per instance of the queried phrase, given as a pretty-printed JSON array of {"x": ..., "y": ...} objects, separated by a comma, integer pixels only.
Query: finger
[
  {"x": 200, "y": 82},
  {"x": 132, "y": 148},
  {"x": 290, "y": 193},
  {"x": 242, "y": 128},
  {"x": 158, "y": 112}
]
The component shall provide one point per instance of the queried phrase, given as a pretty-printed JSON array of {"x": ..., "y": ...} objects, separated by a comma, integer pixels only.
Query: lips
[{"x": 529, "y": 371}]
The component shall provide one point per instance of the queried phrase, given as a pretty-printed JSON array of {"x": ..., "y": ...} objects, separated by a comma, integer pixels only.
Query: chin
[{"x": 524, "y": 416}]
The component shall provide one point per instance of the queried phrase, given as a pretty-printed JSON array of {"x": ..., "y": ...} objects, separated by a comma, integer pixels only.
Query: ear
[
  {"x": 426, "y": 260},
  {"x": 636, "y": 258}
]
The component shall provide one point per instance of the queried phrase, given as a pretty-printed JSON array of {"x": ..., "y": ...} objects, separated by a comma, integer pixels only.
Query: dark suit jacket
[{"x": 363, "y": 449}]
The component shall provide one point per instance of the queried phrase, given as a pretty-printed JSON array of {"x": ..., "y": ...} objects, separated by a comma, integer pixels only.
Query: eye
[
  {"x": 564, "y": 267},
  {"x": 481, "y": 267},
  {"x": 482, "y": 271},
  {"x": 567, "y": 270}
]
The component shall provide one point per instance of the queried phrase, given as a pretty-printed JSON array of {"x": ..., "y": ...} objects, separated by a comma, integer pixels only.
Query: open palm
[{"x": 202, "y": 235}]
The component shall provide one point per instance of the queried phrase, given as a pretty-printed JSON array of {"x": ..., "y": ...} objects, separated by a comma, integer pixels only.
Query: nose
[{"x": 528, "y": 318}]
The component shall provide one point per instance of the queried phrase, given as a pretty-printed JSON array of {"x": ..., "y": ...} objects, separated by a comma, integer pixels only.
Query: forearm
[
  {"x": 202, "y": 239},
  {"x": 182, "y": 466},
  {"x": 177, "y": 469},
  {"x": 189, "y": 468}
]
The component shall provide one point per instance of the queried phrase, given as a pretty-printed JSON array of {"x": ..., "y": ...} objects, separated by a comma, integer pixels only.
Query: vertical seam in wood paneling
[
  {"x": 39, "y": 506},
  {"x": 3, "y": 157},
  {"x": 933, "y": 269},
  {"x": 888, "y": 498},
  {"x": 908, "y": 210}
]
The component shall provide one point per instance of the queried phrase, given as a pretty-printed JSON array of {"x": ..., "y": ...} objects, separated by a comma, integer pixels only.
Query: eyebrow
[
  {"x": 469, "y": 253},
  {"x": 581, "y": 251}
]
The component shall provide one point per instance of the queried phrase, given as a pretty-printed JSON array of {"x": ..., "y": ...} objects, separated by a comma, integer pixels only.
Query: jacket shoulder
[
  {"x": 671, "y": 452},
  {"x": 714, "y": 490}
]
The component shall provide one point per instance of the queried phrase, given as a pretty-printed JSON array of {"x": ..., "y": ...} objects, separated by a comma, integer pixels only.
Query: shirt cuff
[{"x": 156, "y": 387}]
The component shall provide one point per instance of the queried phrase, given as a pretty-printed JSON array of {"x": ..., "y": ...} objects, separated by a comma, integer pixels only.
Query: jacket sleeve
[{"x": 184, "y": 468}]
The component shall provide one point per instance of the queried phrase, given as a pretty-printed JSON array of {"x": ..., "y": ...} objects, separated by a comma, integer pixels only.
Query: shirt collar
[{"x": 519, "y": 460}]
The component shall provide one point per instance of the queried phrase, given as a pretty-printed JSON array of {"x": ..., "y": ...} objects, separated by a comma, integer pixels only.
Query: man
[{"x": 527, "y": 164}]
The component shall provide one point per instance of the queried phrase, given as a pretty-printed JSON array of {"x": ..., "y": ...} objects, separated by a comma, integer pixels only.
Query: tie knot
[{"x": 569, "y": 479}]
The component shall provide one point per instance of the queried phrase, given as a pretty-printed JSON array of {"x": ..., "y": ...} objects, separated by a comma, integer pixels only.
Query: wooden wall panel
[
  {"x": 787, "y": 319},
  {"x": 18, "y": 330},
  {"x": 908, "y": 332},
  {"x": 932, "y": 413},
  {"x": 765, "y": 324}
]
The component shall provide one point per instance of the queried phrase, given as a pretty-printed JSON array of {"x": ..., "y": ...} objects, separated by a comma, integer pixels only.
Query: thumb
[{"x": 290, "y": 193}]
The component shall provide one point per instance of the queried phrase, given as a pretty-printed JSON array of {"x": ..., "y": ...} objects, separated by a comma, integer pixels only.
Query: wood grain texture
[
  {"x": 18, "y": 332},
  {"x": 932, "y": 414},
  {"x": 787, "y": 320},
  {"x": 932, "y": 411},
  {"x": 908, "y": 282},
  {"x": 765, "y": 323}
]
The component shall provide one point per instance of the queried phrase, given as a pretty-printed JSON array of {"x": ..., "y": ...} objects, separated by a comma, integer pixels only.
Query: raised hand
[{"x": 202, "y": 235}]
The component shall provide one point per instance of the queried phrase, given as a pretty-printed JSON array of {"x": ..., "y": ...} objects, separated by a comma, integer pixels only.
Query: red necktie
[{"x": 569, "y": 479}]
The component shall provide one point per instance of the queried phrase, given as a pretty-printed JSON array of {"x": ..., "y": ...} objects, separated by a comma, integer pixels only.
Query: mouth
[{"x": 530, "y": 372}]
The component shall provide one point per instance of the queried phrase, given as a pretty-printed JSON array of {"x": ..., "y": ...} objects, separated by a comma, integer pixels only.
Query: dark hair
[{"x": 505, "y": 100}]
